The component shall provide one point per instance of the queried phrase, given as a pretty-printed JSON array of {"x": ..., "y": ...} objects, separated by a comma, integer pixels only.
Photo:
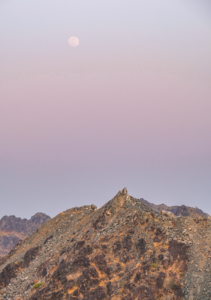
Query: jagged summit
[
  {"x": 123, "y": 250},
  {"x": 123, "y": 201}
]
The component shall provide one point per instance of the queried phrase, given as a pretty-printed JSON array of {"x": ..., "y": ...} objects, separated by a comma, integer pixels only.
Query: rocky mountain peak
[{"x": 123, "y": 250}]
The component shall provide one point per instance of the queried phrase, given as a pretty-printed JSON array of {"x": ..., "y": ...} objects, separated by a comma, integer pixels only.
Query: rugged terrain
[
  {"x": 13, "y": 229},
  {"x": 180, "y": 210},
  {"x": 124, "y": 250}
]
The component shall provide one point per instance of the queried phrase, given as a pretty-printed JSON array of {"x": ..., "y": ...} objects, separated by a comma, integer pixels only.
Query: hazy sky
[{"x": 130, "y": 106}]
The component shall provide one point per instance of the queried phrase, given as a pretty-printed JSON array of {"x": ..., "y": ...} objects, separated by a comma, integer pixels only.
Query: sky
[{"x": 129, "y": 106}]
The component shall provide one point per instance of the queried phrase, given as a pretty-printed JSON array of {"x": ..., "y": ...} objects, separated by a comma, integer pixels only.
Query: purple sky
[{"x": 130, "y": 106}]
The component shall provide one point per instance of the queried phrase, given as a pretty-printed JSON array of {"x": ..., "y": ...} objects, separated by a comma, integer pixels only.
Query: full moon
[{"x": 73, "y": 41}]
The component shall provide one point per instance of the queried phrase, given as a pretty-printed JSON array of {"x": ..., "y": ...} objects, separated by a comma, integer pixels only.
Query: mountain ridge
[
  {"x": 121, "y": 251},
  {"x": 177, "y": 210}
]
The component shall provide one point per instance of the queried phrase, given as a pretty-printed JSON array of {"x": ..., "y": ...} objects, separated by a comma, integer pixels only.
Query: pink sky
[
  {"x": 130, "y": 106},
  {"x": 161, "y": 113}
]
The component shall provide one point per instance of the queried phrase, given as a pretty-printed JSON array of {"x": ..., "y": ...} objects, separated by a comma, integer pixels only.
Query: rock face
[
  {"x": 181, "y": 210},
  {"x": 13, "y": 229},
  {"x": 122, "y": 251}
]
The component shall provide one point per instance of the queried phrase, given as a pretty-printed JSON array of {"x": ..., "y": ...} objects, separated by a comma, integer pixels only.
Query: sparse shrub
[
  {"x": 121, "y": 283},
  {"x": 154, "y": 265},
  {"x": 174, "y": 285},
  {"x": 182, "y": 274},
  {"x": 37, "y": 285}
]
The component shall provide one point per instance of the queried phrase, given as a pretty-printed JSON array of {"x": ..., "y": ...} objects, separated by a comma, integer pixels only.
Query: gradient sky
[{"x": 130, "y": 106}]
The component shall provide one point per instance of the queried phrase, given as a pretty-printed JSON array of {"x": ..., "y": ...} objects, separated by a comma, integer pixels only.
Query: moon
[{"x": 73, "y": 41}]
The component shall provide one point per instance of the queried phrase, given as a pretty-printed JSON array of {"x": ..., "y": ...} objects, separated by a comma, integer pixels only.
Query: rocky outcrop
[
  {"x": 181, "y": 210},
  {"x": 124, "y": 250},
  {"x": 13, "y": 229}
]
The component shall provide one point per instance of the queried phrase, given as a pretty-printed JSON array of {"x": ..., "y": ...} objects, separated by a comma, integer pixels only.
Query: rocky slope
[
  {"x": 122, "y": 251},
  {"x": 13, "y": 229},
  {"x": 181, "y": 210}
]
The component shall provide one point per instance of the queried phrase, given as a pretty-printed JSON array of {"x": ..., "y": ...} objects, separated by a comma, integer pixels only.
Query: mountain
[
  {"x": 13, "y": 229},
  {"x": 122, "y": 251},
  {"x": 181, "y": 210}
]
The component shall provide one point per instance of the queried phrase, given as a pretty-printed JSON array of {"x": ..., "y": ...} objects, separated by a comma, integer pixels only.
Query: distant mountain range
[
  {"x": 13, "y": 229},
  {"x": 181, "y": 210}
]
